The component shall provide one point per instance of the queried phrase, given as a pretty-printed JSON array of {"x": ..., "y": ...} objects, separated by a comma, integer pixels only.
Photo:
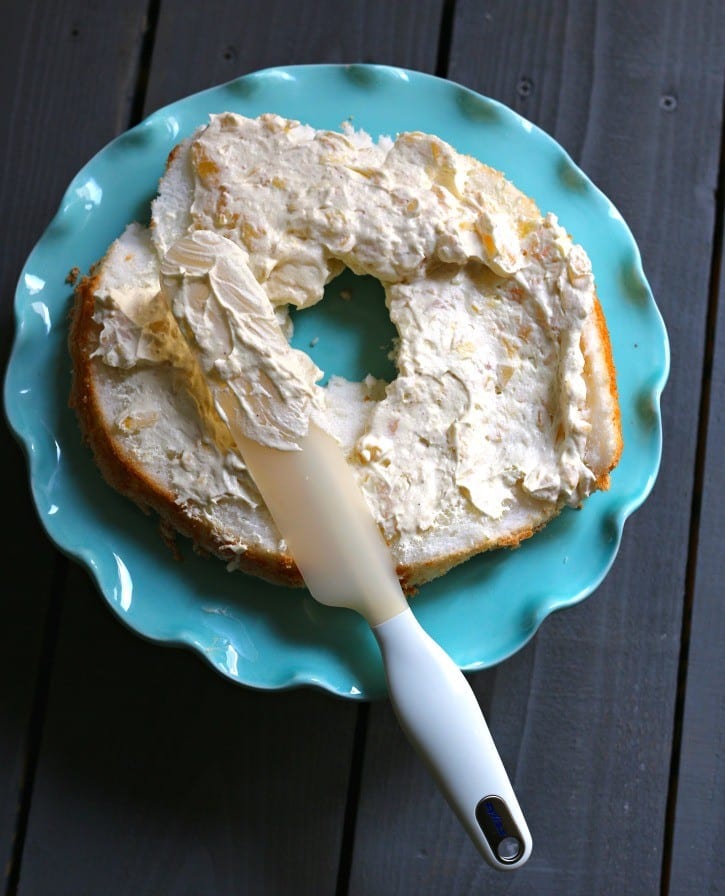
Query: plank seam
[
  {"x": 51, "y": 630},
  {"x": 36, "y": 721},
  {"x": 146, "y": 52},
  {"x": 354, "y": 786},
  {"x": 693, "y": 540},
  {"x": 445, "y": 38}
]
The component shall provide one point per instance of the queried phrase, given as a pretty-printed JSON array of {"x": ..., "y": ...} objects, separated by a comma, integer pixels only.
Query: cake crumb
[{"x": 73, "y": 275}]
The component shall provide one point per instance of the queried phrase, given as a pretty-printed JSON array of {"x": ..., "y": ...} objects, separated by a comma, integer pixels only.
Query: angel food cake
[{"x": 504, "y": 408}]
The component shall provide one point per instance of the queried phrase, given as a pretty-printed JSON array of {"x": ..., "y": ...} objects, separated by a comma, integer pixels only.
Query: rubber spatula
[{"x": 321, "y": 513}]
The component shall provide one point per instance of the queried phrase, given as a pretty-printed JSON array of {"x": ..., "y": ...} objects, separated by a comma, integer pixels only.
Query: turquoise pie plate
[{"x": 269, "y": 637}]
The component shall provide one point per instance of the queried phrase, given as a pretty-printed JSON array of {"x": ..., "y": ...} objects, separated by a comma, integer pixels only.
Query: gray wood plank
[
  {"x": 157, "y": 776},
  {"x": 220, "y": 39},
  {"x": 584, "y": 714},
  {"x": 154, "y": 774},
  {"x": 698, "y": 860},
  {"x": 49, "y": 131}
]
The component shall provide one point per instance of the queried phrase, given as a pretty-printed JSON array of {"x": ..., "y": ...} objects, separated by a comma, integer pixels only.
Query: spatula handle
[{"x": 440, "y": 715}]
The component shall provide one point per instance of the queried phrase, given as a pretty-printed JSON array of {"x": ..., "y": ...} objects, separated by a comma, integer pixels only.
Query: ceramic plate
[{"x": 270, "y": 637}]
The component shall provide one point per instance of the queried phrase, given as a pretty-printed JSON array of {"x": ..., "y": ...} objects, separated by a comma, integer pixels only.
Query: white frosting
[
  {"x": 139, "y": 335},
  {"x": 227, "y": 318},
  {"x": 488, "y": 297}
]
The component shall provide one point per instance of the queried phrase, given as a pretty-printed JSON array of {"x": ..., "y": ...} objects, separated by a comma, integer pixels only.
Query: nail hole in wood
[{"x": 525, "y": 87}]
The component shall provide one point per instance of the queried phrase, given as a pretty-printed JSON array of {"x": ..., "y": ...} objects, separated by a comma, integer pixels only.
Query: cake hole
[{"x": 348, "y": 333}]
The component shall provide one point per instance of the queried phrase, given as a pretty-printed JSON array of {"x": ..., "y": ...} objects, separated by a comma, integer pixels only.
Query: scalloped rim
[{"x": 368, "y": 77}]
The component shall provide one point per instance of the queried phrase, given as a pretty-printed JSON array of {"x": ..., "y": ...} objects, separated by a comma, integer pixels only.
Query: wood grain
[
  {"x": 155, "y": 775},
  {"x": 698, "y": 861},
  {"x": 636, "y": 99},
  {"x": 54, "y": 121},
  {"x": 198, "y": 46}
]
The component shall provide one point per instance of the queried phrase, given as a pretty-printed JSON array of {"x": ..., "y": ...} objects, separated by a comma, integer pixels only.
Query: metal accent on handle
[{"x": 499, "y": 829}]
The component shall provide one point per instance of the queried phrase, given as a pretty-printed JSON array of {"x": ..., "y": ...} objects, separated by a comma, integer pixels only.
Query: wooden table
[{"x": 130, "y": 768}]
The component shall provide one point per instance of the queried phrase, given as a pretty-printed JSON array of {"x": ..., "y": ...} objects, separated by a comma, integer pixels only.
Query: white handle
[{"x": 439, "y": 713}]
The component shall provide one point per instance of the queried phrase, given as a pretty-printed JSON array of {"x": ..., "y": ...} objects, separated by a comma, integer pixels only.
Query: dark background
[{"x": 129, "y": 768}]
